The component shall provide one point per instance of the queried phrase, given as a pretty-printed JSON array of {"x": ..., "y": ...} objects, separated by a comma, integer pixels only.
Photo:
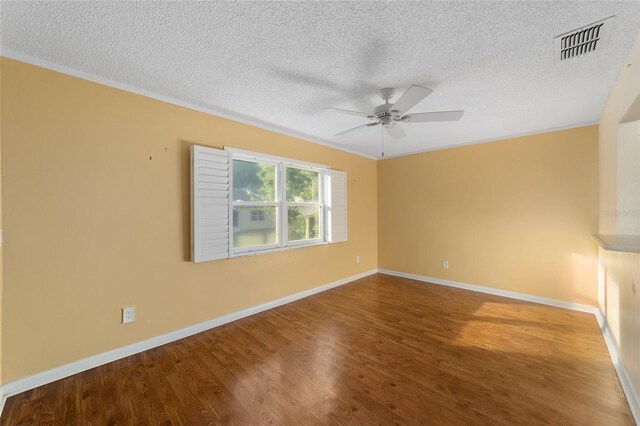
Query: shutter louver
[
  {"x": 209, "y": 204},
  {"x": 337, "y": 206}
]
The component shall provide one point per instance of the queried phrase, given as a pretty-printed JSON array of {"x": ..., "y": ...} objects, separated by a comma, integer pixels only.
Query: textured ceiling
[{"x": 282, "y": 63}]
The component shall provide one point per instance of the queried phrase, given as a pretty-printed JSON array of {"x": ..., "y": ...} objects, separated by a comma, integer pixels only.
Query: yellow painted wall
[
  {"x": 92, "y": 224},
  {"x": 515, "y": 214},
  {"x": 619, "y": 272}
]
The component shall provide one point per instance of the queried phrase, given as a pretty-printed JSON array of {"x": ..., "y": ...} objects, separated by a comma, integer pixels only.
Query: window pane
[
  {"x": 253, "y": 181},
  {"x": 254, "y": 226},
  {"x": 303, "y": 223},
  {"x": 302, "y": 185}
]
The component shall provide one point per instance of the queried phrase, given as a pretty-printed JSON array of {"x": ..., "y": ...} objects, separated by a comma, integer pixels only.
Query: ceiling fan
[{"x": 389, "y": 115}]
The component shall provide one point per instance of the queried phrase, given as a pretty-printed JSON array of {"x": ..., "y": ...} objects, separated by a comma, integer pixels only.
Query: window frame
[
  {"x": 320, "y": 204},
  {"x": 281, "y": 204}
]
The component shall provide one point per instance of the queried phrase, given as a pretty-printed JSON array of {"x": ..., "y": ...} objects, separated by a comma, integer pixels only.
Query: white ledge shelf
[{"x": 626, "y": 243}]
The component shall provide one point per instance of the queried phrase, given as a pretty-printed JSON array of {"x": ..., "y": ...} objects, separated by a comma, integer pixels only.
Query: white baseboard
[
  {"x": 623, "y": 377},
  {"x": 629, "y": 392},
  {"x": 495, "y": 291},
  {"x": 3, "y": 399},
  {"x": 67, "y": 370}
]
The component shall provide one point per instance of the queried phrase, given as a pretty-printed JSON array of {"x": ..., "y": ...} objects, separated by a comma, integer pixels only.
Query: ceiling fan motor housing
[{"x": 385, "y": 114}]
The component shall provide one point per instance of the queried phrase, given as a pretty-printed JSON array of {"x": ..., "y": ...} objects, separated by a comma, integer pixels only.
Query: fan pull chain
[{"x": 382, "y": 140}]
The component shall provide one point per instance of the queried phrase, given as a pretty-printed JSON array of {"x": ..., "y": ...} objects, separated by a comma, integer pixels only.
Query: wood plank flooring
[{"x": 381, "y": 350}]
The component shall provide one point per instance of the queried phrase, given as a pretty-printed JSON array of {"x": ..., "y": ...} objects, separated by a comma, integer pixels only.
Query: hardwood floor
[{"x": 382, "y": 350}]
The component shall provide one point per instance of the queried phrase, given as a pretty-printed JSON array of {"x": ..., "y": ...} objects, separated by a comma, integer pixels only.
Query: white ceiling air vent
[{"x": 583, "y": 40}]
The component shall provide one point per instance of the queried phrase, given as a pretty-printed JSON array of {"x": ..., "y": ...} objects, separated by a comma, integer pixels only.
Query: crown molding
[
  {"x": 219, "y": 112},
  {"x": 252, "y": 121},
  {"x": 496, "y": 139}
]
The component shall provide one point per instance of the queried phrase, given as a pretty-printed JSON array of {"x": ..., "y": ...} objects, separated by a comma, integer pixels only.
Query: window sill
[
  {"x": 276, "y": 250},
  {"x": 625, "y": 243}
]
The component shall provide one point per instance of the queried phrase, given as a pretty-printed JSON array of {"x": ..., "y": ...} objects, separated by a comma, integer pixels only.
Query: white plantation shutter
[
  {"x": 209, "y": 204},
  {"x": 336, "y": 206}
]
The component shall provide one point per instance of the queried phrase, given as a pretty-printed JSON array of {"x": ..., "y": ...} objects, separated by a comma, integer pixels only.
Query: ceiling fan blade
[
  {"x": 349, "y": 112},
  {"x": 395, "y": 131},
  {"x": 433, "y": 116},
  {"x": 356, "y": 128},
  {"x": 410, "y": 98}
]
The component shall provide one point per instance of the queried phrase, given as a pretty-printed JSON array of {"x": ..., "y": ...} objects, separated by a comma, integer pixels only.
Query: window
[
  {"x": 243, "y": 202},
  {"x": 254, "y": 196},
  {"x": 275, "y": 203},
  {"x": 304, "y": 209},
  {"x": 257, "y": 215}
]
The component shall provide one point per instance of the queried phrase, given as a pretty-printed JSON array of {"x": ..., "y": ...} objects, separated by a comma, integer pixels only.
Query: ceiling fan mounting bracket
[{"x": 387, "y": 93}]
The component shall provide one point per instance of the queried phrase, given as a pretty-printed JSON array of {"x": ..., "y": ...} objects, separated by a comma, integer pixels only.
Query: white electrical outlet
[
  {"x": 357, "y": 259},
  {"x": 128, "y": 314},
  {"x": 445, "y": 264}
]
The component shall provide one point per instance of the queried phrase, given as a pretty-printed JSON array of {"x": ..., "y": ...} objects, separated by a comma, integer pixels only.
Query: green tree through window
[
  {"x": 256, "y": 186},
  {"x": 302, "y": 220}
]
